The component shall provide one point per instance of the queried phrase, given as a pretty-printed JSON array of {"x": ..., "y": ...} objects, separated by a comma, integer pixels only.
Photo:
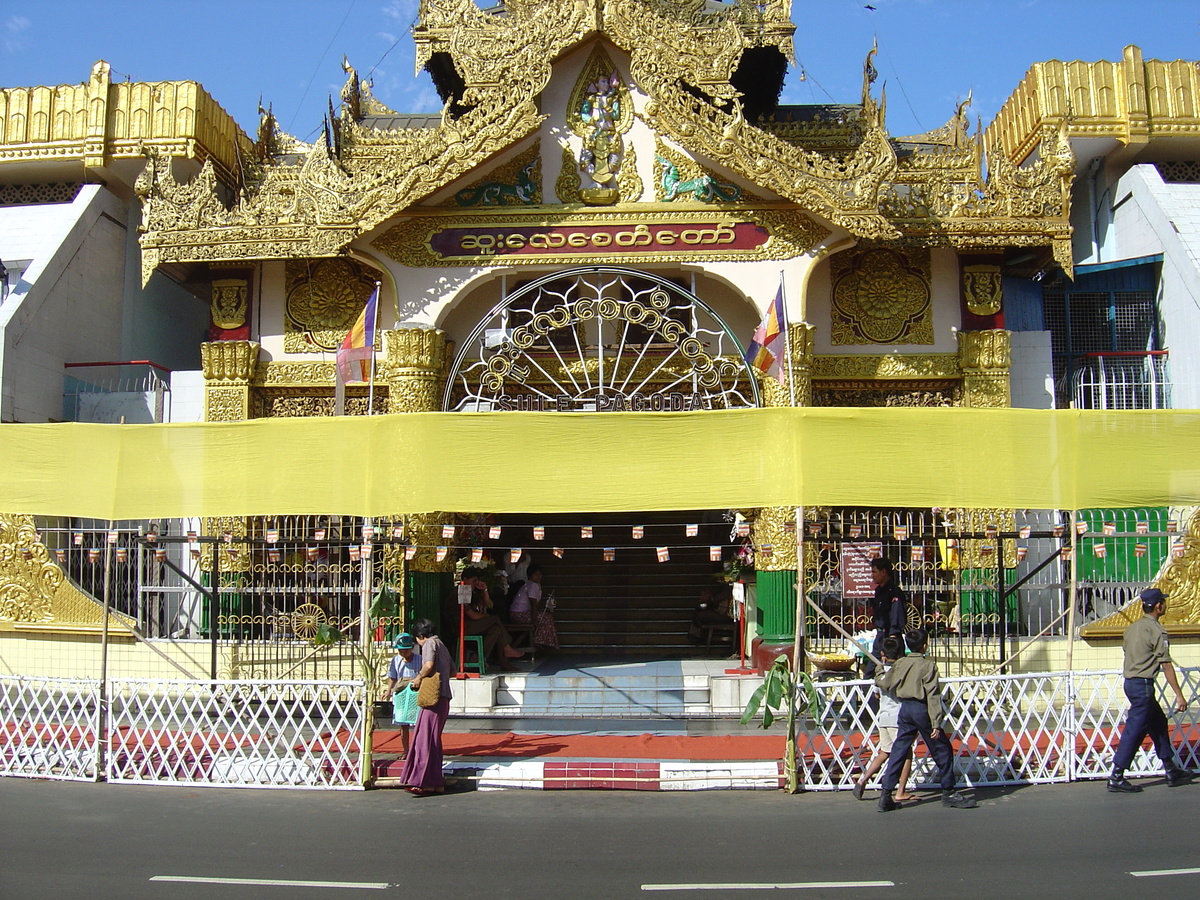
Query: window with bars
[{"x": 1109, "y": 311}]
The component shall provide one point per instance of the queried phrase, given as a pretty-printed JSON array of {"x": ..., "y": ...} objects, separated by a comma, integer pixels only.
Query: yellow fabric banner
[{"x": 606, "y": 462}]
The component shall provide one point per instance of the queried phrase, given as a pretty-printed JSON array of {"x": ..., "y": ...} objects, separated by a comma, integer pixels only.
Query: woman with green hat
[{"x": 401, "y": 671}]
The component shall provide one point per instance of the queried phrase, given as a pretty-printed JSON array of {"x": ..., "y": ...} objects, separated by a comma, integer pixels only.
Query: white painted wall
[{"x": 1032, "y": 370}]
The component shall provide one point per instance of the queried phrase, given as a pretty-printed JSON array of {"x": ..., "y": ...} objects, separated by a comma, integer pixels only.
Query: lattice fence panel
[
  {"x": 1101, "y": 708},
  {"x": 48, "y": 727},
  {"x": 1006, "y": 730},
  {"x": 237, "y": 733}
]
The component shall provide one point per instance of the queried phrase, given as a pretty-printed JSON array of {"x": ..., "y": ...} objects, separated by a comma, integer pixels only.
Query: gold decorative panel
[
  {"x": 882, "y": 296},
  {"x": 982, "y": 289},
  {"x": 230, "y": 299},
  {"x": 324, "y": 298}
]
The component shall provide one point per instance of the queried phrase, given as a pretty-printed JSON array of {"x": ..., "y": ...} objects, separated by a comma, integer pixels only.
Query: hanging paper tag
[
  {"x": 494, "y": 533},
  {"x": 1065, "y": 552},
  {"x": 918, "y": 553},
  {"x": 900, "y": 533},
  {"x": 112, "y": 537},
  {"x": 78, "y": 539},
  {"x": 151, "y": 537},
  {"x": 1177, "y": 549},
  {"x": 409, "y": 553},
  {"x": 692, "y": 530},
  {"x": 448, "y": 532},
  {"x": 585, "y": 531},
  {"x": 991, "y": 531},
  {"x": 1100, "y": 549},
  {"x": 714, "y": 554},
  {"x": 191, "y": 536},
  {"x": 1025, "y": 532},
  {"x": 1081, "y": 527},
  {"x": 368, "y": 533},
  {"x": 195, "y": 553},
  {"x": 1140, "y": 550},
  {"x": 1058, "y": 530},
  {"x": 1022, "y": 552},
  {"x": 514, "y": 555},
  {"x": 272, "y": 535},
  {"x": 743, "y": 529},
  {"x": 61, "y": 554},
  {"x": 319, "y": 534},
  {"x": 663, "y": 554},
  {"x": 93, "y": 554},
  {"x": 273, "y": 555},
  {"x": 1172, "y": 526},
  {"x": 441, "y": 553},
  {"x": 609, "y": 554},
  {"x": 987, "y": 549},
  {"x": 639, "y": 532},
  {"x": 1143, "y": 527},
  {"x": 855, "y": 532},
  {"x": 465, "y": 592},
  {"x": 397, "y": 532},
  {"x": 766, "y": 550},
  {"x": 790, "y": 526},
  {"x": 558, "y": 551},
  {"x": 814, "y": 528},
  {"x": 160, "y": 555},
  {"x": 311, "y": 552},
  {"x": 366, "y": 549},
  {"x": 477, "y": 555},
  {"x": 1110, "y": 528},
  {"x": 539, "y": 533}
]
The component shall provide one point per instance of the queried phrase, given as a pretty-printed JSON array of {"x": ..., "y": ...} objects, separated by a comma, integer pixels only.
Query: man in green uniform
[{"x": 1146, "y": 651}]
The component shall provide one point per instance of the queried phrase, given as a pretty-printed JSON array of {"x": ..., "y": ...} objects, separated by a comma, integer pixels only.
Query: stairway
[{"x": 633, "y": 606}]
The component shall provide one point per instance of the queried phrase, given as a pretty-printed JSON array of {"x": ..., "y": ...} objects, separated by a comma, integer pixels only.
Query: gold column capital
[
  {"x": 415, "y": 363},
  {"x": 985, "y": 360},
  {"x": 229, "y": 361}
]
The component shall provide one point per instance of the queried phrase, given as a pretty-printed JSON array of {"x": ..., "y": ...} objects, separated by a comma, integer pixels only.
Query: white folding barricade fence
[{"x": 48, "y": 727}]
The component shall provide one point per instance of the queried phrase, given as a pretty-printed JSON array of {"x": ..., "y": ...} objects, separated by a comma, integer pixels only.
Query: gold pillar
[
  {"x": 229, "y": 367},
  {"x": 415, "y": 363},
  {"x": 800, "y": 343},
  {"x": 97, "y": 116},
  {"x": 984, "y": 360}
]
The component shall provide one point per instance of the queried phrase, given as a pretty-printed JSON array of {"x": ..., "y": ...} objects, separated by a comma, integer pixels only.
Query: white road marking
[
  {"x": 270, "y": 882},
  {"x": 1153, "y": 872},
  {"x": 751, "y": 886}
]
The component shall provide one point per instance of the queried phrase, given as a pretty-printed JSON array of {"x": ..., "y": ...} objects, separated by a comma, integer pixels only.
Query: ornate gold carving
[
  {"x": 985, "y": 360},
  {"x": 774, "y": 527},
  {"x": 291, "y": 403},
  {"x": 230, "y": 298},
  {"x": 568, "y": 183},
  {"x": 516, "y": 183},
  {"x": 790, "y": 234},
  {"x": 875, "y": 394},
  {"x": 424, "y": 531},
  {"x": 28, "y": 579},
  {"x": 294, "y": 374},
  {"x": 416, "y": 361},
  {"x": 891, "y": 367},
  {"x": 324, "y": 298},
  {"x": 229, "y": 360},
  {"x": 980, "y": 553},
  {"x": 982, "y": 289},
  {"x": 882, "y": 296}
]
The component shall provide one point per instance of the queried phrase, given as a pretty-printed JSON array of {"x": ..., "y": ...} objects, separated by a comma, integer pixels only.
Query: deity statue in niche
[{"x": 599, "y": 112}]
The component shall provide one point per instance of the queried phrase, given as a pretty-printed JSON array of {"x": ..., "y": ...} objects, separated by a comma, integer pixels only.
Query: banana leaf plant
[
  {"x": 385, "y": 606},
  {"x": 789, "y": 695}
]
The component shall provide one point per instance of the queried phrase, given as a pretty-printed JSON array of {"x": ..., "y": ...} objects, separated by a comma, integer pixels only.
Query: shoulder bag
[{"x": 430, "y": 691}]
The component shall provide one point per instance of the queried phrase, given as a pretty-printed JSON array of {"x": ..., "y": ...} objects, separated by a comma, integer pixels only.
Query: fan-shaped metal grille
[{"x": 601, "y": 339}]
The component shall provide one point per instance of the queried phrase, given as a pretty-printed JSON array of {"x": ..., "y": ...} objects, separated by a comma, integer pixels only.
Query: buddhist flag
[
  {"x": 354, "y": 356},
  {"x": 766, "y": 347}
]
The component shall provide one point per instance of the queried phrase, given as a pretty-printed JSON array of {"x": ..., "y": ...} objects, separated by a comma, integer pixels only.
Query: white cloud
[
  {"x": 402, "y": 11},
  {"x": 13, "y": 27}
]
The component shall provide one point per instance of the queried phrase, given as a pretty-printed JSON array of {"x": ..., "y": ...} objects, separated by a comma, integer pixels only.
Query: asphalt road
[{"x": 100, "y": 841}]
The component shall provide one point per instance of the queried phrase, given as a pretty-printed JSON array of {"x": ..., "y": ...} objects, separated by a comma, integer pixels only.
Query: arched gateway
[{"x": 599, "y": 339}]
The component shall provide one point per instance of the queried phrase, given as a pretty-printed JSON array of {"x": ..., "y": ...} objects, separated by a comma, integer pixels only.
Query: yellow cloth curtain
[{"x": 580, "y": 462}]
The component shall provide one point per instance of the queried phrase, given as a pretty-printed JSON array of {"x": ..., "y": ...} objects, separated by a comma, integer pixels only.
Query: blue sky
[{"x": 932, "y": 52}]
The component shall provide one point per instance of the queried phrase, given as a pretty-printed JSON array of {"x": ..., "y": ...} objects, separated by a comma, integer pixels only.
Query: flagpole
[
  {"x": 374, "y": 339},
  {"x": 787, "y": 367}
]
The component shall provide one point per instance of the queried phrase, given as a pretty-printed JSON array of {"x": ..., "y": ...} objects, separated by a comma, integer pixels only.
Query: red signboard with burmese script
[{"x": 589, "y": 240}]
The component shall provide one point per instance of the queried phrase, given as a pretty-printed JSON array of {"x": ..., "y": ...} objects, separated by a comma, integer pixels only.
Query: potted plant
[{"x": 790, "y": 694}]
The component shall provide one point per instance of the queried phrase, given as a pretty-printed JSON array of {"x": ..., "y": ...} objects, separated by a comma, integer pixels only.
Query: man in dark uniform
[
  {"x": 889, "y": 609},
  {"x": 1146, "y": 651}
]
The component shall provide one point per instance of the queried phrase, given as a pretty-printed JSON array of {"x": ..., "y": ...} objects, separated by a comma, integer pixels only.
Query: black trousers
[{"x": 914, "y": 720}]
